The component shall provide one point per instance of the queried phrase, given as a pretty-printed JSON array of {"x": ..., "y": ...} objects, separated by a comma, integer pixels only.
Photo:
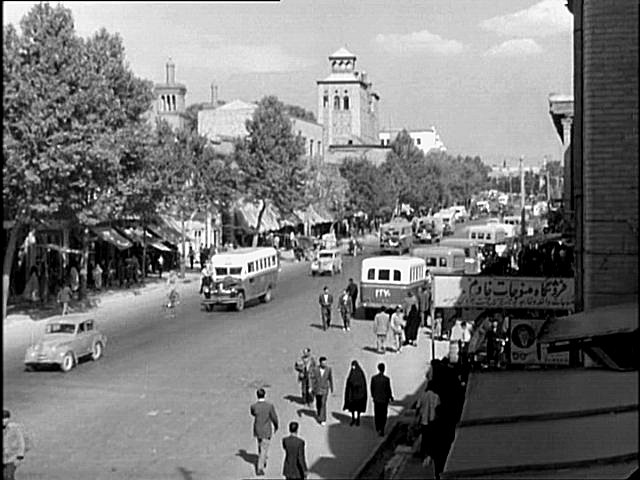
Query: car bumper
[
  {"x": 43, "y": 359},
  {"x": 220, "y": 299}
]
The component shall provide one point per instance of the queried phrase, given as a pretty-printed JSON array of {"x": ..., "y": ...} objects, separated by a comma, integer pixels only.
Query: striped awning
[
  {"x": 248, "y": 215},
  {"x": 110, "y": 235}
]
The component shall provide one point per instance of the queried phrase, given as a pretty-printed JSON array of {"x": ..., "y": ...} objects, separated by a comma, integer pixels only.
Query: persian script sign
[{"x": 475, "y": 291}]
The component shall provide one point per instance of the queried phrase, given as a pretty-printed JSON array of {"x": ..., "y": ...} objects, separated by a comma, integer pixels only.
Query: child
[{"x": 64, "y": 297}]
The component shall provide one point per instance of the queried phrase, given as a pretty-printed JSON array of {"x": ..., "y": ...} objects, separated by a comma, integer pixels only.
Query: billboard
[
  {"x": 475, "y": 291},
  {"x": 524, "y": 348}
]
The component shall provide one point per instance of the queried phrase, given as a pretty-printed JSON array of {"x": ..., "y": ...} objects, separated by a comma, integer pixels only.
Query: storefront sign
[
  {"x": 473, "y": 291},
  {"x": 523, "y": 341}
]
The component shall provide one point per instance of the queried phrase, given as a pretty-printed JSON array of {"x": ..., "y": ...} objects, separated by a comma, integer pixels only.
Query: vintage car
[
  {"x": 328, "y": 260},
  {"x": 65, "y": 341}
]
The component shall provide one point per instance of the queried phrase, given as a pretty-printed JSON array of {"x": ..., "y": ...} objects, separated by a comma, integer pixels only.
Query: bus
[
  {"x": 243, "y": 275},
  {"x": 471, "y": 249},
  {"x": 492, "y": 233},
  {"x": 396, "y": 236},
  {"x": 385, "y": 281},
  {"x": 442, "y": 260}
]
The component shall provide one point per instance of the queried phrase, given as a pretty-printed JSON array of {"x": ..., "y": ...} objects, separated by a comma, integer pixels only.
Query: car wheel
[
  {"x": 97, "y": 351},
  {"x": 266, "y": 298},
  {"x": 240, "y": 302},
  {"x": 67, "y": 362},
  {"x": 209, "y": 307}
]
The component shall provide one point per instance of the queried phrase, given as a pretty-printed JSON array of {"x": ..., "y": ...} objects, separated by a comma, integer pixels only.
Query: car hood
[{"x": 54, "y": 339}]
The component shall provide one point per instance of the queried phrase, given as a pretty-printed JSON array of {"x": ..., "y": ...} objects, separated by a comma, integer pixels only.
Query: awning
[
  {"x": 108, "y": 234},
  {"x": 164, "y": 229},
  {"x": 311, "y": 216},
  {"x": 53, "y": 246},
  {"x": 158, "y": 246},
  {"x": 248, "y": 214},
  {"x": 598, "y": 322},
  {"x": 569, "y": 423}
]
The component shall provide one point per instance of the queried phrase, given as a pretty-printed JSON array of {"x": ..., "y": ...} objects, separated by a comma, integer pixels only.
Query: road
[{"x": 170, "y": 398}]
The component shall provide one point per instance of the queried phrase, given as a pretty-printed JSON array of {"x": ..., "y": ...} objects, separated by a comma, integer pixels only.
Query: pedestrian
[
  {"x": 409, "y": 299},
  {"x": 381, "y": 329},
  {"x": 160, "y": 264},
  {"x": 14, "y": 446},
  {"x": 97, "y": 277},
  {"x": 397, "y": 328},
  {"x": 295, "y": 463},
  {"x": 423, "y": 306},
  {"x": 467, "y": 332},
  {"x": 346, "y": 310},
  {"x": 265, "y": 416},
  {"x": 74, "y": 279},
  {"x": 426, "y": 406},
  {"x": 304, "y": 366},
  {"x": 355, "y": 393},
  {"x": 437, "y": 326},
  {"x": 31, "y": 290},
  {"x": 382, "y": 396},
  {"x": 455, "y": 340},
  {"x": 192, "y": 256},
  {"x": 322, "y": 385},
  {"x": 64, "y": 297},
  {"x": 352, "y": 288},
  {"x": 326, "y": 301},
  {"x": 413, "y": 324},
  {"x": 136, "y": 271}
]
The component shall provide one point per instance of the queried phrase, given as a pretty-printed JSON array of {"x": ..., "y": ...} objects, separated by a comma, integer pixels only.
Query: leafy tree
[
  {"x": 270, "y": 160},
  {"x": 64, "y": 100},
  {"x": 299, "y": 112},
  {"x": 191, "y": 113},
  {"x": 367, "y": 190},
  {"x": 325, "y": 185}
]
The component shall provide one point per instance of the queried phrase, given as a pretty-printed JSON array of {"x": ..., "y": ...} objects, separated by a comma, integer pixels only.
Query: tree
[
  {"x": 191, "y": 113},
  {"x": 270, "y": 160},
  {"x": 65, "y": 99},
  {"x": 299, "y": 112},
  {"x": 367, "y": 190},
  {"x": 325, "y": 185}
]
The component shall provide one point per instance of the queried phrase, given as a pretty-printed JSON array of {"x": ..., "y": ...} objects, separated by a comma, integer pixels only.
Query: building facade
[
  {"x": 604, "y": 149},
  {"x": 425, "y": 140},
  {"x": 222, "y": 125}
]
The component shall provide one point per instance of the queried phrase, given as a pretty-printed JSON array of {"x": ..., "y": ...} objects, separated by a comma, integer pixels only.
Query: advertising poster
[
  {"x": 524, "y": 345},
  {"x": 474, "y": 291}
]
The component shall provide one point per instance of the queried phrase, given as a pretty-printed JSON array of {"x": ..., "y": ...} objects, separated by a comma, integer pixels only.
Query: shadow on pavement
[
  {"x": 294, "y": 399},
  {"x": 250, "y": 458},
  {"x": 315, "y": 325},
  {"x": 186, "y": 474},
  {"x": 308, "y": 412}
]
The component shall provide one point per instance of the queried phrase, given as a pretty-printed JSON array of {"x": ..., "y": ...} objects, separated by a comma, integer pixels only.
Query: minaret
[{"x": 170, "y": 98}]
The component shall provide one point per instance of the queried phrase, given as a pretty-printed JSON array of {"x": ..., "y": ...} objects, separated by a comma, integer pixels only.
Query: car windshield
[
  {"x": 326, "y": 255},
  {"x": 60, "y": 328},
  {"x": 221, "y": 271}
]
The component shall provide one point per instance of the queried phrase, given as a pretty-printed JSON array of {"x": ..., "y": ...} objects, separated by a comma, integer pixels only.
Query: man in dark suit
[
  {"x": 325, "y": 300},
  {"x": 381, "y": 395},
  {"x": 295, "y": 464},
  {"x": 322, "y": 384},
  {"x": 265, "y": 415},
  {"x": 352, "y": 288}
]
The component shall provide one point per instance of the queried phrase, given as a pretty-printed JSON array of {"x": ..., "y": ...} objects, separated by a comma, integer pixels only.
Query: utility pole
[
  {"x": 183, "y": 260},
  {"x": 523, "y": 226}
]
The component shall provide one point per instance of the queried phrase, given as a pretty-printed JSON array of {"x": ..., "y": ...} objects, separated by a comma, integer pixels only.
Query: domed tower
[{"x": 347, "y": 104}]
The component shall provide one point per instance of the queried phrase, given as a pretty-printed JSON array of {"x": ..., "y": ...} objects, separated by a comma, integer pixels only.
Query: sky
[{"x": 480, "y": 71}]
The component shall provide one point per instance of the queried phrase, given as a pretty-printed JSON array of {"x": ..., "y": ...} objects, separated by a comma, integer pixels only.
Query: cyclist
[{"x": 173, "y": 296}]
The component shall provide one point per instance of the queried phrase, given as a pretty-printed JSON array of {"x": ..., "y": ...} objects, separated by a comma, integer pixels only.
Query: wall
[{"x": 609, "y": 137}]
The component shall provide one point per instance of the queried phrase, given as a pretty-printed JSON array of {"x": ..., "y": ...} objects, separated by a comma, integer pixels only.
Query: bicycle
[{"x": 170, "y": 304}]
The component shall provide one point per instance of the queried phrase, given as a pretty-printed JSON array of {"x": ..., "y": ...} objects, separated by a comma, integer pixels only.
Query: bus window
[
  {"x": 251, "y": 267},
  {"x": 473, "y": 234},
  {"x": 396, "y": 275},
  {"x": 235, "y": 270},
  {"x": 432, "y": 262},
  {"x": 371, "y": 274},
  {"x": 480, "y": 235},
  {"x": 488, "y": 236},
  {"x": 221, "y": 271},
  {"x": 384, "y": 274},
  {"x": 443, "y": 261}
]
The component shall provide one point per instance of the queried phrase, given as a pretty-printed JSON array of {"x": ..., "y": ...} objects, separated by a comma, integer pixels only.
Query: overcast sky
[{"x": 480, "y": 71}]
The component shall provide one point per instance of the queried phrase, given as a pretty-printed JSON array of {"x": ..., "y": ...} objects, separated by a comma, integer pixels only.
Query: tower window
[
  {"x": 325, "y": 101},
  {"x": 345, "y": 102},
  {"x": 418, "y": 141},
  {"x": 336, "y": 102}
]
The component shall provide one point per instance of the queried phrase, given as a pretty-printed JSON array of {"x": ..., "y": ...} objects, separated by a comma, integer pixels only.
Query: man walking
[
  {"x": 295, "y": 463},
  {"x": 345, "y": 310},
  {"x": 265, "y": 415},
  {"x": 13, "y": 446},
  {"x": 381, "y": 329},
  {"x": 326, "y": 301},
  {"x": 381, "y": 395},
  {"x": 322, "y": 381},
  {"x": 352, "y": 288}
]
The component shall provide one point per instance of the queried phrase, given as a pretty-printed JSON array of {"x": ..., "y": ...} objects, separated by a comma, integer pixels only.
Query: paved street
[{"x": 170, "y": 399}]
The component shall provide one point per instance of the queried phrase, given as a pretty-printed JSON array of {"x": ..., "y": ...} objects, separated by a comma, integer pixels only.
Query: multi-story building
[
  {"x": 426, "y": 140},
  {"x": 604, "y": 151}
]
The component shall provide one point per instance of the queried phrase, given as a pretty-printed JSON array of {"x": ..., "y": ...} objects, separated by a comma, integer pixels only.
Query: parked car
[
  {"x": 65, "y": 341},
  {"x": 328, "y": 260}
]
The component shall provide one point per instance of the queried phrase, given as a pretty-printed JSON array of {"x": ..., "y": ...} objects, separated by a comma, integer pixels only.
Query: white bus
[
  {"x": 242, "y": 275},
  {"x": 385, "y": 280}
]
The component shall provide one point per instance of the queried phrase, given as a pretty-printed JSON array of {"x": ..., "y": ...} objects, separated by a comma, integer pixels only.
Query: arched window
[
  {"x": 336, "y": 102},
  {"x": 325, "y": 101},
  {"x": 345, "y": 102}
]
